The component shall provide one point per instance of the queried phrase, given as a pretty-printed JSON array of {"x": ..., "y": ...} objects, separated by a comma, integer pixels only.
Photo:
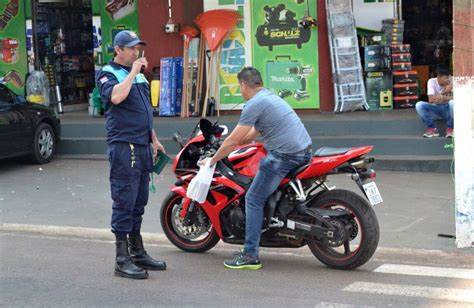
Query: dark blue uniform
[{"x": 129, "y": 128}]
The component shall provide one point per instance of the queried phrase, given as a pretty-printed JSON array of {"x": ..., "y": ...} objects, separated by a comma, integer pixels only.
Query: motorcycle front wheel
[{"x": 199, "y": 236}]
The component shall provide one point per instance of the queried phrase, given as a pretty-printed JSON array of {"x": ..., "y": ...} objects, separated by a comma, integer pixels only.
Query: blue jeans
[
  {"x": 273, "y": 169},
  {"x": 430, "y": 112},
  {"x": 129, "y": 184}
]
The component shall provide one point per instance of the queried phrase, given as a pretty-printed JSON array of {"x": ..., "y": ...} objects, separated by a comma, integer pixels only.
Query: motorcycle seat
[
  {"x": 297, "y": 171},
  {"x": 328, "y": 151}
]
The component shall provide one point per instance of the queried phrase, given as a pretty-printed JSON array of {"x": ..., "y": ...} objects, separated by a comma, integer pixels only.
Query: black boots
[
  {"x": 140, "y": 257},
  {"x": 124, "y": 266}
]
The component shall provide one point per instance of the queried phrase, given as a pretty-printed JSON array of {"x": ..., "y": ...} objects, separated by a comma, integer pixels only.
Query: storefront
[
  {"x": 67, "y": 39},
  {"x": 295, "y": 62},
  {"x": 63, "y": 46},
  {"x": 74, "y": 38}
]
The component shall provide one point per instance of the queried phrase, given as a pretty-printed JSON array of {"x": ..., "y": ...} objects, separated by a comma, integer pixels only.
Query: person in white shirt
[{"x": 439, "y": 105}]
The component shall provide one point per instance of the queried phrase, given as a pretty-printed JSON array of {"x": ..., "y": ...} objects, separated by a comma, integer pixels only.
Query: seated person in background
[{"x": 439, "y": 105}]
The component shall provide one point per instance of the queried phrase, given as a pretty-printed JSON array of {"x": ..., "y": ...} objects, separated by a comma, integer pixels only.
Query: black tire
[
  {"x": 368, "y": 229},
  {"x": 44, "y": 144},
  {"x": 179, "y": 241}
]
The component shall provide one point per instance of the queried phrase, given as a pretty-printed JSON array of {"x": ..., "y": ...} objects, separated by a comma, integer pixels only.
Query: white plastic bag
[{"x": 199, "y": 185}]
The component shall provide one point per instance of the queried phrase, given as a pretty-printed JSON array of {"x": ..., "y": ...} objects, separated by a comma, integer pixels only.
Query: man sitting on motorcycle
[{"x": 288, "y": 144}]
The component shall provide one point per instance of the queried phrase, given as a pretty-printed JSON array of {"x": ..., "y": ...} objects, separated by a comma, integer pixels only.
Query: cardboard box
[
  {"x": 400, "y": 48},
  {"x": 401, "y": 66},
  {"x": 404, "y": 102},
  {"x": 375, "y": 52},
  {"x": 404, "y": 77},
  {"x": 392, "y": 21},
  {"x": 401, "y": 57},
  {"x": 409, "y": 89},
  {"x": 378, "y": 90}
]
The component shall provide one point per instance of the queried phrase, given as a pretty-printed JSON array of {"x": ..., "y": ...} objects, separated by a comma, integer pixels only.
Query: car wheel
[{"x": 44, "y": 144}]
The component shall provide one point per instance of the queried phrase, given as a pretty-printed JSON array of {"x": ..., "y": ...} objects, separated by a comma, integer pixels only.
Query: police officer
[{"x": 129, "y": 124}]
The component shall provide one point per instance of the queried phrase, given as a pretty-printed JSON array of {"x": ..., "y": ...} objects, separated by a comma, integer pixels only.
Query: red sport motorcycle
[{"x": 339, "y": 226}]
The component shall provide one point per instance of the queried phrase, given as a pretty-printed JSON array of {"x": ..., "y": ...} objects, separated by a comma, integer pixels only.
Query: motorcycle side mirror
[
  {"x": 178, "y": 139},
  {"x": 225, "y": 130}
]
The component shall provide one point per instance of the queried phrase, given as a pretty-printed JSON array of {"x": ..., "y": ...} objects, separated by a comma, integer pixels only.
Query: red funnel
[
  {"x": 216, "y": 24},
  {"x": 188, "y": 33}
]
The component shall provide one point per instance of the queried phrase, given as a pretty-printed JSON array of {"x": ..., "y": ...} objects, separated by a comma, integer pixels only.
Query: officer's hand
[
  {"x": 157, "y": 146},
  {"x": 137, "y": 65}
]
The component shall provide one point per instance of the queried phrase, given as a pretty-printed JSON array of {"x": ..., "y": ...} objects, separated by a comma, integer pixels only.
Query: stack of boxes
[
  {"x": 393, "y": 29},
  {"x": 405, "y": 80},
  {"x": 171, "y": 73},
  {"x": 390, "y": 80},
  {"x": 405, "y": 84}
]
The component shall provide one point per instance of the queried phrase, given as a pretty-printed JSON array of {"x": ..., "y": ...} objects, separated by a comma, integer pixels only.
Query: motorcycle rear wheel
[{"x": 352, "y": 255}]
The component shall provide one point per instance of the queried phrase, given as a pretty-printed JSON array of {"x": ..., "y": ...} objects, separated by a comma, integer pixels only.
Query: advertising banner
[
  {"x": 13, "y": 57},
  {"x": 116, "y": 15},
  {"x": 285, "y": 52}
]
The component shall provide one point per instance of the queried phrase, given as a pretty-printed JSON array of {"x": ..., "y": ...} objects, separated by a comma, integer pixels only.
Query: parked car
[{"x": 27, "y": 129}]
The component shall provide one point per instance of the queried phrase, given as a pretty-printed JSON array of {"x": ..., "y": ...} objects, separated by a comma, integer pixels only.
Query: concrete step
[
  {"x": 383, "y": 145},
  {"x": 410, "y": 127},
  {"x": 420, "y": 163},
  {"x": 395, "y": 135}
]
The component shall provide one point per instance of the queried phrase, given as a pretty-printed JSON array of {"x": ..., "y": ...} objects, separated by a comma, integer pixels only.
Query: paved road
[
  {"x": 58, "y": 271},
  {"x": 412, "y": 267}
]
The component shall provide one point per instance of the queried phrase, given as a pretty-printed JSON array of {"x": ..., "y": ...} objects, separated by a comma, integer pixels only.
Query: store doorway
[
  {"x": 65, "y": 47},
  {"x": 429, "y": 30}
]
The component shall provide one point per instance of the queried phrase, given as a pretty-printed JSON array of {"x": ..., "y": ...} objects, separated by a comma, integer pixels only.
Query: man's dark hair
[
  {"x": 250, "y": 76},
  {"x": 121, "y": 48},
  {"x": 442, "y": 71}
]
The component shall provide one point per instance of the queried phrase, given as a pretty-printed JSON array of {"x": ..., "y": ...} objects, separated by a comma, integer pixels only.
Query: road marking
[
  {"x": 339, "y": 305},
  {"x": 404, "y": 228},
  {"x": 456, "y": 295},
  {"x": 446, "y": 272}
]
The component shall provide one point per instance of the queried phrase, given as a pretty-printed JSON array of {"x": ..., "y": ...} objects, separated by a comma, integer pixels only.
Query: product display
[
  {"x": 171, "y": 80},
  {"x": 379, "y": 90},
  {"x": 390, "y": 80},
  {"x": 65, "y": 49}
]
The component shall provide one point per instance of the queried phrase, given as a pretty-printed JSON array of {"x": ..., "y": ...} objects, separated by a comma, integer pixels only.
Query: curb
[{"x": 80, "y": 232}]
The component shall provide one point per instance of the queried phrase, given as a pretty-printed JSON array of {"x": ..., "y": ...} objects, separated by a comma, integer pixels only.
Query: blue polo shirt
[
  {"x": 130, "y": 121},
  {"x": 279, "y": 125}
]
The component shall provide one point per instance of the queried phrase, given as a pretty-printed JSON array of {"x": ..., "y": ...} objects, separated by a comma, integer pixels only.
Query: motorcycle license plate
[{"x": 372, "y": 193}]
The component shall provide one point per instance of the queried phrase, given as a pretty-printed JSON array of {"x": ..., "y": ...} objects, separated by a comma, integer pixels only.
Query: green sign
[
  {"x": 116, "y": 15},
  {"x": 13, "y": 58},
  {"x": 286, "y": 53}
]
